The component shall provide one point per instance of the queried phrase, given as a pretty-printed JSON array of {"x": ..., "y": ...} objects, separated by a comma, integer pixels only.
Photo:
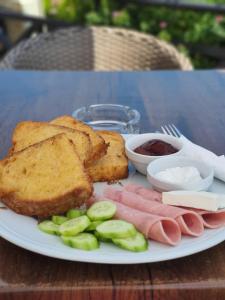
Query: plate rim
[
  {"x": 219, "y": 237},
  {"x": 33, "y": 246}
]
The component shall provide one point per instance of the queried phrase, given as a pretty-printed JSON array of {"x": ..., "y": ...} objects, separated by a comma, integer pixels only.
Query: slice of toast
[
  {"x": 44, "y": 179},
  {"x": 98, "y": 143},
  {"x": 114, "y": 165},
  {"x": 28, "y": 133}
]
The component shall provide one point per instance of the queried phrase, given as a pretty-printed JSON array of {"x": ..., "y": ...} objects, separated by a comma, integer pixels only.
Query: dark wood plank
[
  {"x": 202, "y": 273},
  {"x": 22, "y": 271},
  {"x": 194, "y": 101},
  {"x": 36, "y": 273}
]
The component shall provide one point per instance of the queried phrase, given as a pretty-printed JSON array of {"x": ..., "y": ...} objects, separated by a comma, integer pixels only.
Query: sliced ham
[
  {"x": 161, "y": 229},
  {"x": 211, "y": 219},
  {"x": 190, "y": 223},
  {"x": 144, "y": 192}
]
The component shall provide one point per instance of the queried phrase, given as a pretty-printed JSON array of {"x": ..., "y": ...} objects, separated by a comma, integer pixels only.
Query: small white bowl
[
  {"x": 162, "y": 164},
  {"x": 141, "y": 161}
]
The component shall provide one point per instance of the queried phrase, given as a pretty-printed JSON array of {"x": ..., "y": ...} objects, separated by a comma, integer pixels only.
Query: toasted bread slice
[
  {"x": 98, "y": 143},
  {"x": 28, "y": 133},
  {"x": 114, "y": 165},
  {"x": 44, "y": 179}
]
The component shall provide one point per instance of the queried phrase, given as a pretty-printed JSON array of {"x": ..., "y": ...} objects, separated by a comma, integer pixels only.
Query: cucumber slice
[
  {"x": 135, "y": 243},
  {"x": 93, "y": 225},
  {"x": 74, "y": 226},
  {"x": 48, "y": 226},
  {"x": 58, "y": 220},
  {"x": 101, "y": 211},
  {"x": 116, "y": 229},
  {"x": 66, "y": 240},
  {"x": 84, "y": 241},
  {"x": 102, "y": 239},
  {"x": 75, "y": 213}
]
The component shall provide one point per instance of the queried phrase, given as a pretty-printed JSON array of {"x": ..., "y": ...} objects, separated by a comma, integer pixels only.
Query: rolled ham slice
[
  {"x": 211, "y": 219},
  {"x": 160, "y": 229},
  {"x": 190, "y": 222},
  {"x": 144, "y": 192}
]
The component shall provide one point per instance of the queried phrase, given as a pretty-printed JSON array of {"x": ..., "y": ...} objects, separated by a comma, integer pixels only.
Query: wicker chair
[{"x": 94, "y": 48}]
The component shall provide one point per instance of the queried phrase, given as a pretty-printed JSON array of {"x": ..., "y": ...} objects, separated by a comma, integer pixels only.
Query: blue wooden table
[{"x": 193, "y": 101}]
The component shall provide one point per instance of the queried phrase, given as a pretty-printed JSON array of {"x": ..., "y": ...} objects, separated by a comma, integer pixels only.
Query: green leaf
[
  {"x": 164, "y": 35},
  {"x": 121, "y": 18},
  {"x": 93, "y": 18}
]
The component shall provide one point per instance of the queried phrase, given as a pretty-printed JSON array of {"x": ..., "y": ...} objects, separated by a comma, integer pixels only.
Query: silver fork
[{"x": 171, "y": 129}]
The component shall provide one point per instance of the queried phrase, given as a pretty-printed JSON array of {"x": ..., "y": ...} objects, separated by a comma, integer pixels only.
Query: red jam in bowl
[{"x": 156, "y": 148}]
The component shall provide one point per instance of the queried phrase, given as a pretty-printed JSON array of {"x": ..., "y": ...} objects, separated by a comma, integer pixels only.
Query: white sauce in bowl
[{"x": 180, "y": 175}]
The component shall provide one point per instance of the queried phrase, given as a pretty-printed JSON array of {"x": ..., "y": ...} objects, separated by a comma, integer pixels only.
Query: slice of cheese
[{"x": 200, "y": 200}]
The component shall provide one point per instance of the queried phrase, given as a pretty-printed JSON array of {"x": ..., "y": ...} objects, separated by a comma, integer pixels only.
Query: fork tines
[{"x": 171, "y": 129}]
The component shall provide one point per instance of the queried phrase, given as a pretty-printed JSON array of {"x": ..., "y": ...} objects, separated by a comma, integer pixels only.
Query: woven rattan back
[{"x": 94, "y": 48}]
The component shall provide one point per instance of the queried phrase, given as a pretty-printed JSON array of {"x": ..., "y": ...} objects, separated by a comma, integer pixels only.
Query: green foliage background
[{"x": 176, "y": 26}]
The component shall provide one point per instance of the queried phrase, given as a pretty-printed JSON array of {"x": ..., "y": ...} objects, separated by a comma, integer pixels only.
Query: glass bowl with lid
[{"x": 113, "y": 117}]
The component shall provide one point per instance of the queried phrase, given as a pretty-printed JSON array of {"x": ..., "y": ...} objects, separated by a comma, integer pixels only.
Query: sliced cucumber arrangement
[
  {"x": 58, "y": 220},
  {"x": 93, "y": 225},
  {"x": 84, "y": 241},
  {"x": 75, "y": 213},
  {"x": 116, "y": 229},
  {"x": 135, "y": 243},
  {"x": 102, "y": 210},
  {"x": 74, "y": 226},
  {"x": 83, "y": 230},
  {"x": 48, "y": 226},
  {"x": 102, "y": 239}
]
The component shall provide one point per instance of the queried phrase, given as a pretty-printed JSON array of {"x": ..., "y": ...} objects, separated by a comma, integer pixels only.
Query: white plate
[{"x": 22, "y": 231}]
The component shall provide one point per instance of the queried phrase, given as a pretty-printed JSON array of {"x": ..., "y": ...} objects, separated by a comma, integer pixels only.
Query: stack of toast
[{"x": 51, "y": 166}]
